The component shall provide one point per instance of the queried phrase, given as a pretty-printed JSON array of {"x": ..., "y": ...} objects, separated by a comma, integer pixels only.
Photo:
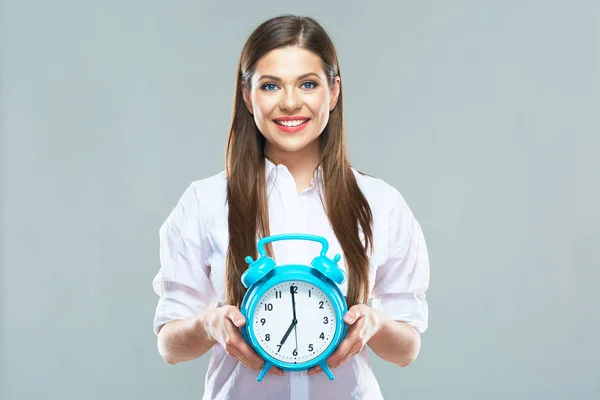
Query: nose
[{"x": 290, "y": 100}]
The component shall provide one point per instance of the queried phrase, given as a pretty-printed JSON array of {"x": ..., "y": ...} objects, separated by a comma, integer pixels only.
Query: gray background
[{"x": 485, "y": 115}]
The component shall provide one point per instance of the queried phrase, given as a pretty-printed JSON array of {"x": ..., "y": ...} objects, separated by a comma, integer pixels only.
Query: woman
[{"x": 287, "y": 171}]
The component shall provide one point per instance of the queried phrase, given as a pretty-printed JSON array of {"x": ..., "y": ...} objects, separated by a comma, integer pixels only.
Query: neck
[{"x": 301, "y": 164}]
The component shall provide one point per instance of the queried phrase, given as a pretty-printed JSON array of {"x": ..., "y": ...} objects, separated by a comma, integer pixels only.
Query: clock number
[
  {"x": 279, "y": 347},
  {"x": 278, "y": 294},
  {"x": 322, "y": 336},
  {"x": 310, "y": 347},
  {"x": 320, "y": 304},
  {"x": 325, "y": 320},
  {"x": 267, "y": 337},
  {"x": 295, "y": 353},
  {"x": 262, "y": 321},
  {"x": 308, "y": 292},
  {"x": 294, "y": 289},
  {"x": 268, "y": 307}
]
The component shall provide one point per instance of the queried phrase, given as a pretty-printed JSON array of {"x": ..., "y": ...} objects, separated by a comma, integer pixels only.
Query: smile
[
  {"x": 291, "y": 123},
  {"x": 291, "y": 126}
]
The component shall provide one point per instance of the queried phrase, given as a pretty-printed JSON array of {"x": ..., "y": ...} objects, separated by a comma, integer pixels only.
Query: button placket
[
  {"x": 290, "y": 205},
  {"x": 294, "y": 222}
]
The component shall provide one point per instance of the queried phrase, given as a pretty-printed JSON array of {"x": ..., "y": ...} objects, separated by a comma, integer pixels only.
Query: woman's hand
[
  {"x": 364, "y": 322},
  {"x": 222, "y": 325}
]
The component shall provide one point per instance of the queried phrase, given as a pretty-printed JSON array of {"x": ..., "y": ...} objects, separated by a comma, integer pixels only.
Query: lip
[
  {"x": 292, "y": 118},
  {"x": 291, "y": 129}
]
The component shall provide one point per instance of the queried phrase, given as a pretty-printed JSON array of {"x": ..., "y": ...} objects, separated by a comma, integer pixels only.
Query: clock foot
[
  {"x": 326, "y": 369},
  {"x": 263, "y": 372}
]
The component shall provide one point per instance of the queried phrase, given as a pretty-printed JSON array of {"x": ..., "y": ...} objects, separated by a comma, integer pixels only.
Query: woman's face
[{"x": 290, "y": 82}]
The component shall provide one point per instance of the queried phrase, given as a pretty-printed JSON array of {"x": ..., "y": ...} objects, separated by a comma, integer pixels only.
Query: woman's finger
[
  {"x": 314, "y": 370},
  {"x": 234, "y": 315},
  {"x": 250, "y": 361},
  {"x": 336, "y": 362},
  {"x": 343, "y": 348},
  {"x": 350, "y": 318},
  {"x": 258, "y": 364},
  {"x": 347, "y": 347},
  {"x": 276, "y": 371},
  {"x": 235, "y": 352},
  {"x": 354, "y": 349},
  {"x": 249, "y": 352},
  {"x": 354, "y": 314},
  {"x": 255, "y": 359},
  {"x": 237, "y": 347}
]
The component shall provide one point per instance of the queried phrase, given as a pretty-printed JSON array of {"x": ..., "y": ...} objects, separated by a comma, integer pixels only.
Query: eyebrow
[{"x": 276, "y": 78}]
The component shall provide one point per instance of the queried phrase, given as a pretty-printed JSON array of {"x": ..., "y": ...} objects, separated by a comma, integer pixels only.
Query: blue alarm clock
[{"x": 294, "y": 313}]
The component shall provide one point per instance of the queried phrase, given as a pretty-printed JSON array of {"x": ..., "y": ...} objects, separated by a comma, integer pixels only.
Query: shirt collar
[{"x": 271, "y": 172}]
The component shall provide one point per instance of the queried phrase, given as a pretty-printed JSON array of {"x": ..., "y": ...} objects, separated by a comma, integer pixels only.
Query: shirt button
[{"x": 299, "y": 374}]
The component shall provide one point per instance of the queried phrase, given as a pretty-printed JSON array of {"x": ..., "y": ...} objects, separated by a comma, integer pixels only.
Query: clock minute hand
[
  {"x": 295, "y": 321},
  {"x": 293, "y": 301}
]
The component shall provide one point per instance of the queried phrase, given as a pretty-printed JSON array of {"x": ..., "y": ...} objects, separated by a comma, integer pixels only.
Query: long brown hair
[{"x": 345, "y": 205}]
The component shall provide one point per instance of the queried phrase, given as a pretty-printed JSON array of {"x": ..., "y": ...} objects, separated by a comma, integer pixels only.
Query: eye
[
  {"x": 314, "y": 85},
  {"x": 269, "y": 87}
]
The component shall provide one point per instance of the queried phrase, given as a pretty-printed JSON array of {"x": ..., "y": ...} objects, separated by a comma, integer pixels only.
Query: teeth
[{"x": 291, "y": 123}]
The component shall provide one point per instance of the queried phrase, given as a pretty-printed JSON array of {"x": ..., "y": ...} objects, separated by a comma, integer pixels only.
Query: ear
[
  {"x": 246, "y": 96},
  {"x": 335, "y": 92}
]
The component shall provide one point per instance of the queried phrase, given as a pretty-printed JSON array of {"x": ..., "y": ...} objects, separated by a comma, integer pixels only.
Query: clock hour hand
[{"x": 287, "y": 333}]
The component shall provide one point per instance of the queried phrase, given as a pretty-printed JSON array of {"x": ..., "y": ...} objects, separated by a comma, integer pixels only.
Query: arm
[
  {"x": 396, "y": 341},
  {"x": 393, "y": 341},
  {"x": 186, "y": 321},
  {"x": 184, "y": 339},
  {"x": 400, "y": 312},
  {"x": 187, "y": 339},
  {"x": 399, "y": 293},
  {"x": 182, "y": 283}
]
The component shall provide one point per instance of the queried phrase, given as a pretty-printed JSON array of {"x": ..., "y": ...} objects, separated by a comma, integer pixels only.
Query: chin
[
  {"x": 300, "y": 145},
  {"x": 291, "y": 149}
]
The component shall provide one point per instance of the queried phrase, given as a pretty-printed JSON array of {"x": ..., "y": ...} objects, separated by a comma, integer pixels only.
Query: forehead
[{"x": 288, "y": 63}]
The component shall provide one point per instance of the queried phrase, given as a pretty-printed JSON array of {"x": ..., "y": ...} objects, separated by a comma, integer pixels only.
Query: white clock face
[{"x": 299, "y": 339}]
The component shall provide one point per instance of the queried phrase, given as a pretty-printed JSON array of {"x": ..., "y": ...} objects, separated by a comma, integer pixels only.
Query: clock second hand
[{"x": 296, "y": 336}]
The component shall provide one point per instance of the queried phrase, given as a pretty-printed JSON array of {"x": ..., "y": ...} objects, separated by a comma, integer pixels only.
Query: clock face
[{"x": 294, "y": 337}]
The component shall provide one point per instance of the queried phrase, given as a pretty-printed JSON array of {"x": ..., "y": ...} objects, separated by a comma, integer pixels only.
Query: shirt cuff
[
  {"x": 411, "y": 308},
  {"x": 176, "y": 302}
]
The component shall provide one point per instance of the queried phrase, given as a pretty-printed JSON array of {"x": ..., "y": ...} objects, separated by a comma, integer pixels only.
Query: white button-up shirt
[{"x": 191, "y": 278}]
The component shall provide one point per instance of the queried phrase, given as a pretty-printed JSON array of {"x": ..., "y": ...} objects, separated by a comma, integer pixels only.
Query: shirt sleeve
[
  {"x": 402, "y": 281},
  {"x": 182, "y": 282}
]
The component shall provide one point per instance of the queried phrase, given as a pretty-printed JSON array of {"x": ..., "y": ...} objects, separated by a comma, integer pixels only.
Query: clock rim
[{"x": 294, "y": 272}]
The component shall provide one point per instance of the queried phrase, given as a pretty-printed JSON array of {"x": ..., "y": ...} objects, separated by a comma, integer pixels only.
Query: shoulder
[
  {"x": 382, "y": 196},
  {"x": 203, "y": 199},
  {"x": 210, "y": 190}
]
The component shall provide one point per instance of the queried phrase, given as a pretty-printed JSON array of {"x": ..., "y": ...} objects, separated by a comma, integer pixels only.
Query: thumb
[
  {"x": 353, "y": 314},
  {"x": 234, "y": 314}
]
